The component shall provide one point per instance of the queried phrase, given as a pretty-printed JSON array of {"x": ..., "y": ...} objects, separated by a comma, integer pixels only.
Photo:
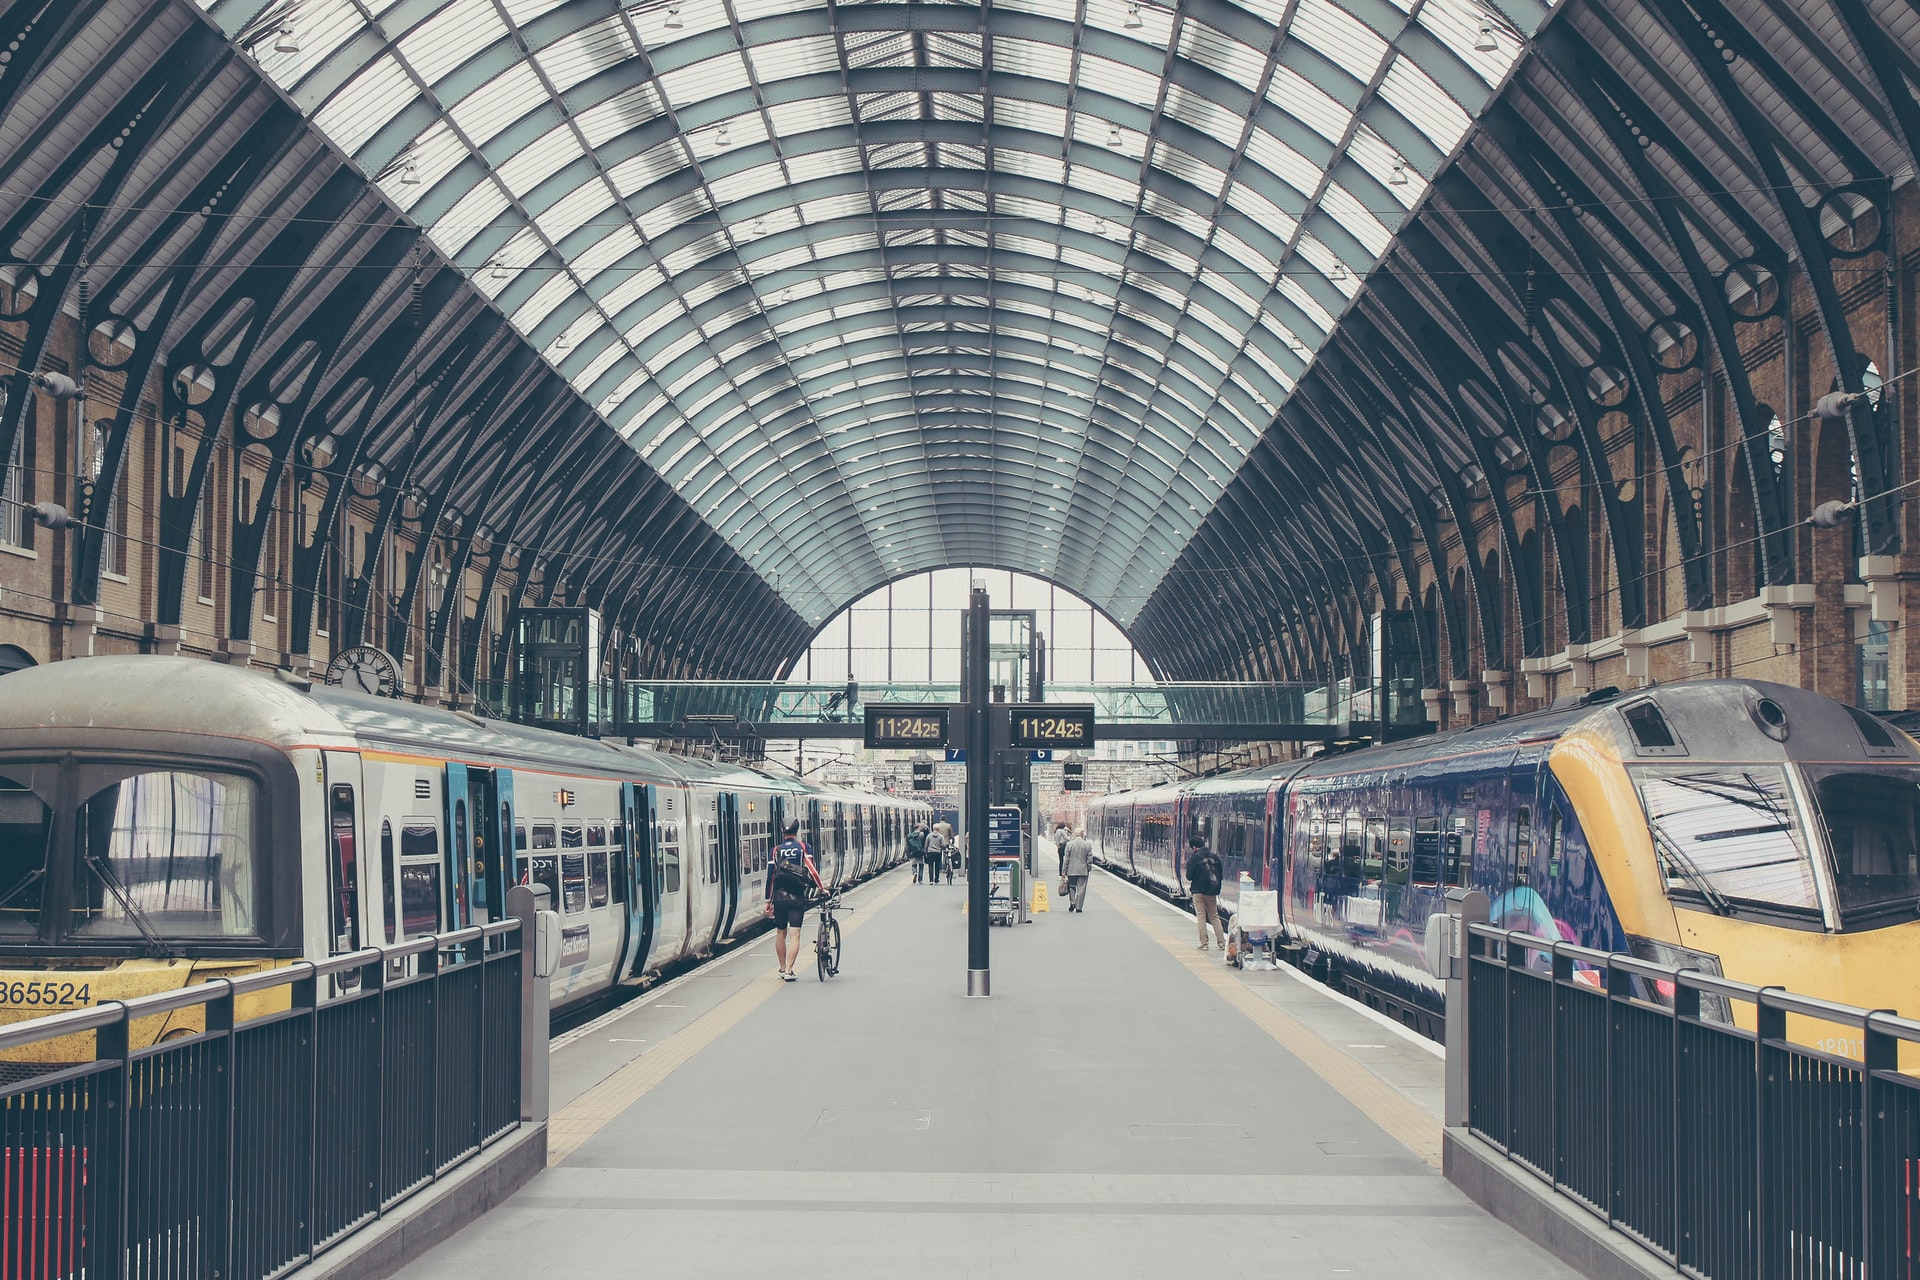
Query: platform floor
[{"x": 1122, "y": 1106}]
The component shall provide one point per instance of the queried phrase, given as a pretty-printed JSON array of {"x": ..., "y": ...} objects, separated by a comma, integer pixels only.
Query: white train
[{"x": 165, "y": 820}]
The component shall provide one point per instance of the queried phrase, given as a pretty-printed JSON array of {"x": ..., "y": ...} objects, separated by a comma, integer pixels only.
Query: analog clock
[{"x": 365, "y": 669}]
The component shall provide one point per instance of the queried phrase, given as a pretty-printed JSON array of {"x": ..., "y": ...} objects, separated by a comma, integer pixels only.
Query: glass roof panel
[{"x": 745, "y": 226}]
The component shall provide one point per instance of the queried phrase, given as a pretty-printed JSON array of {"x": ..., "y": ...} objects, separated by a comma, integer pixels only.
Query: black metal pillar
[{"x": 979, "y": 784}]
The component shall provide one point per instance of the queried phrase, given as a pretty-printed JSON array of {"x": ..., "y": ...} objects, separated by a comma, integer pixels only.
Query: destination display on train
[
  {"x": 1051, "y": 725},
  {"x": 898, "y": 726}
]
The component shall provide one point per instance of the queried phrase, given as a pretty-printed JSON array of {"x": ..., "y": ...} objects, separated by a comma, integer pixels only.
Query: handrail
[{"x": 221, "y": 986}]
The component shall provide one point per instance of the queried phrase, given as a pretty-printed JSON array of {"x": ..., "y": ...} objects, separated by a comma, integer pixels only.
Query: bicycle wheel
[
  {"x": 833, "y": 946},
  {"x": 821, "y": 959}
]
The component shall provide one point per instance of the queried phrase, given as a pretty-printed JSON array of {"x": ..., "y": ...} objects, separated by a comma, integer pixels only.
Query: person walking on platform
[
  {"x": 1203, "y": 882},
  {"x": 917, "y": 851},
  {"x": 936, "y": 853},
  {"x": 1060, "y": 838},
  {"x": 791, "y": 880},
  {"x": 1076, "y": 864}
]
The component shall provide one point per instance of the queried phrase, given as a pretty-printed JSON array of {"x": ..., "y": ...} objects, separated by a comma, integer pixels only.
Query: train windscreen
[
  {"x": 1729, "y": 836},
  {"x": 1872, "y": 822}
]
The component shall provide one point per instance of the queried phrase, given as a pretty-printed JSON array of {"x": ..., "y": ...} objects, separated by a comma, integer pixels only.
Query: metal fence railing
[
  {"x": 237, "y": 1151},
  {"x": 1675, "y": 1105}
]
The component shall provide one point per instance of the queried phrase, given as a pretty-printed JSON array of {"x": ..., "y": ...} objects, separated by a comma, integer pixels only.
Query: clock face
[{"x": 365, "y": 669}]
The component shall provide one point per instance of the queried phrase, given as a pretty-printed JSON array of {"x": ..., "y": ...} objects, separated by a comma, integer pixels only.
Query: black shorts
[{"x": 788, "y": 912}]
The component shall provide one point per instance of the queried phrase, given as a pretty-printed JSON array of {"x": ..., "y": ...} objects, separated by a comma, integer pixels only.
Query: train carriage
[{"x": 164, "y": 821}]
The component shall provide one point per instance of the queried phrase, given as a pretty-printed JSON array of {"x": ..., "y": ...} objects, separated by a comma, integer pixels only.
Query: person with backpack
[
  {"x": 917, "y": 851},
  {"x": 1203, "y": 882},
  {"x": 791, "y": 880}
]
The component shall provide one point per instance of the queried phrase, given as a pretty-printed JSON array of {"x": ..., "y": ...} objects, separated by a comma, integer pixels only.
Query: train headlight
[{"x": 1712, "y": 1008}]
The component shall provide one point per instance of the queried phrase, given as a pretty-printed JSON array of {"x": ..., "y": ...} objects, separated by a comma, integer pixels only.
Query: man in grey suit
[{"x": 1077, "y": 864}]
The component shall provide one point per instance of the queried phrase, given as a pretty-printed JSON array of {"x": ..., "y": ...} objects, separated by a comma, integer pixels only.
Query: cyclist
[{"x": 791, "y": 879}]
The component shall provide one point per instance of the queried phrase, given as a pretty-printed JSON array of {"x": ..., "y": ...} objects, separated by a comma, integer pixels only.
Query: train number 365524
[{"x": 52, "y": 994}]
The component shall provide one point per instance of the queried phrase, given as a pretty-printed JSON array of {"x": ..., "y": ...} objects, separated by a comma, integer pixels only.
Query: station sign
[
  {"x": 1073, "y": 776},
  {"x": 1004, "y": 822},
  {"x": 923, "y": 775},
  {"x": 1051, "y": 726},
  {"x": 905, "y": 726}
]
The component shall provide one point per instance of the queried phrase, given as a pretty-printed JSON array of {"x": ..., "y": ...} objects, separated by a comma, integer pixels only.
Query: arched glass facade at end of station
[{"x": 908, "y": 633}]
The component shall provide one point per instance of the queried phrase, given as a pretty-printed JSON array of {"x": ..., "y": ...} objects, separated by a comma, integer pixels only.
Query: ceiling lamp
[
  {"x": 673, "y": 22},
  {"x": 284, "y": 40},
  {"x": 563, "y": 342},
  {"x": 1486, "y": 41},
  {"x": 760, "y": 225},
  {"x": 721, "y": 137},
  {"x": 409, "y": 173},
  {"x": 1100, "y": 226},
  {"x": 1340, "y": 274},
  {"x": 497, "y": 271},
  {"x": 1113, "y": 135},
  {"x": 1134, "y": 21},
  {"x": 1398, "y": 178}
]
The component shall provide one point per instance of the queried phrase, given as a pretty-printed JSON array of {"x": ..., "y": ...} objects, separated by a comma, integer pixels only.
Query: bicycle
[{"x": 826, "y": 942}]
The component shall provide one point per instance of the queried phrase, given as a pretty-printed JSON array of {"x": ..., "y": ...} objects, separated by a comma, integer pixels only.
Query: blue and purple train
[{"x": 1755, "y": 830}]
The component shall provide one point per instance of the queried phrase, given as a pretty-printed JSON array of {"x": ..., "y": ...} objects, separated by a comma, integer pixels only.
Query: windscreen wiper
[
  {"x": 1692, "y": 872},
  {"x": 135, "y": 914}
]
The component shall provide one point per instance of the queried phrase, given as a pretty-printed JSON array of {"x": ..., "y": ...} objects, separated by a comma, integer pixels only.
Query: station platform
[{"x": 1123, "y": 1105}]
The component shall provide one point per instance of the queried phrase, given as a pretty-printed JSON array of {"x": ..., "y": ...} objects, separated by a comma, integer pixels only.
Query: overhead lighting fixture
[
  {"x": 1398, "y": 178},
  {"x": 1100, "y": 226},
  {"x": 720, "y": 137},
  {"x": 497, "y": 270},
  {"x": 410, "y": 173},
  {"x": 1340, "y": 273},
  {"x": 1486, "y": 41},
  {"x": 1113, "y": 135},
  {"x": 1134, "y": 20},
  {"x": 563, "y": 342},
  {"x": 673, "y": 22},
  {"x": 284, "y": 40},
  {"x": 760, "y": 225}
]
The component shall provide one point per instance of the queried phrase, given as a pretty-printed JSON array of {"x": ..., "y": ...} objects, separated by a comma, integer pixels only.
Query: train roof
[{"x": 212, "y": 699}]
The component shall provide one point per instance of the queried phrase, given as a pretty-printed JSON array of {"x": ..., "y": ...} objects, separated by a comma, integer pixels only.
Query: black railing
[
  {"x": 1731, "y": 1150},
  {"x": 238, "y": 1151}
]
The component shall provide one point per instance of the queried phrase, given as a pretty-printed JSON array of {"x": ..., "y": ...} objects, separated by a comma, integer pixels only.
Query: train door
[
  {"x": 812, "y": 826},
  {"x": 490, "y": 810},
  {"x": 643, "y": 902},
  {"x": 1516, "y": 898},
  {"x": 728, "y": 813},
  {"x": 461, "y": 881},
  {"x": 353, "y": 908}
]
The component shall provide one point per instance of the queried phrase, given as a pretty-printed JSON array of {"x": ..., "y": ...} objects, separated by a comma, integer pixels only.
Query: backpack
[
  {"x": 790, "y": 869},
  {"x": 1203, "y": 872},
  {"x": 916, "y": 845}
]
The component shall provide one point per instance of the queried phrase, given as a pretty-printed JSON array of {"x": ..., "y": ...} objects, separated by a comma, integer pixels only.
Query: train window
[
  {"x": 670, "y": 867},
  {"x": 390, "y": 877},
  {"x": 1317, "y": 840},
  {"x": 520, "y": 837},
  {"x": 420, "y": 838},
  {"x": 25, "y": 829},
  {"x": 1459, "y": 864},
  {"x": 573, "y": 879},
  {"x": 1875, "y": 732},
  {"x": 1399, "y": 850},
  {"x": 1522, "y": 851},
  {"x": 1426, "y": 851},
  {"x": 596, "y": 837},
  {"x": 344, "y": 870},
  {"x": 1652, "y": 735},
  {"x": 544, "y": 869},
  {"x": 420, "y": 898},
  {"x": 1725, "y": 834},
  {"x": 599, "y": 876},
  {"x": 168, "y": 852},
  {"x": 543, "y": 836},
  {"x": 1872, "y": 820},
  {"x": 1351, "y": 857},
  {"x": 1376, "y": 848},
  {"x": 572, "y": 837}
]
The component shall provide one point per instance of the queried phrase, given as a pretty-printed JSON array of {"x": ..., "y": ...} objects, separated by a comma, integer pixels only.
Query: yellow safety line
[
  {"x": 1406, "y": 1122},
  {"x": 571, "y": 1126}
]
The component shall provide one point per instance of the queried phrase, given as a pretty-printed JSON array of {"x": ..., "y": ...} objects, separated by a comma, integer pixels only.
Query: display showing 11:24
[{"x": 1040, "y": 725}]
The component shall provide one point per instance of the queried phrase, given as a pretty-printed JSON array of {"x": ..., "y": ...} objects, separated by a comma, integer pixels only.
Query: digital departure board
[
  {"x": 1048, "y": 725},
  {"x": 897, "y": 726}
]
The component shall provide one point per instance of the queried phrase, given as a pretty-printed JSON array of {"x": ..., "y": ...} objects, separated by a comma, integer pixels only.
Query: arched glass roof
[{"x": 886, "y": 287}]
